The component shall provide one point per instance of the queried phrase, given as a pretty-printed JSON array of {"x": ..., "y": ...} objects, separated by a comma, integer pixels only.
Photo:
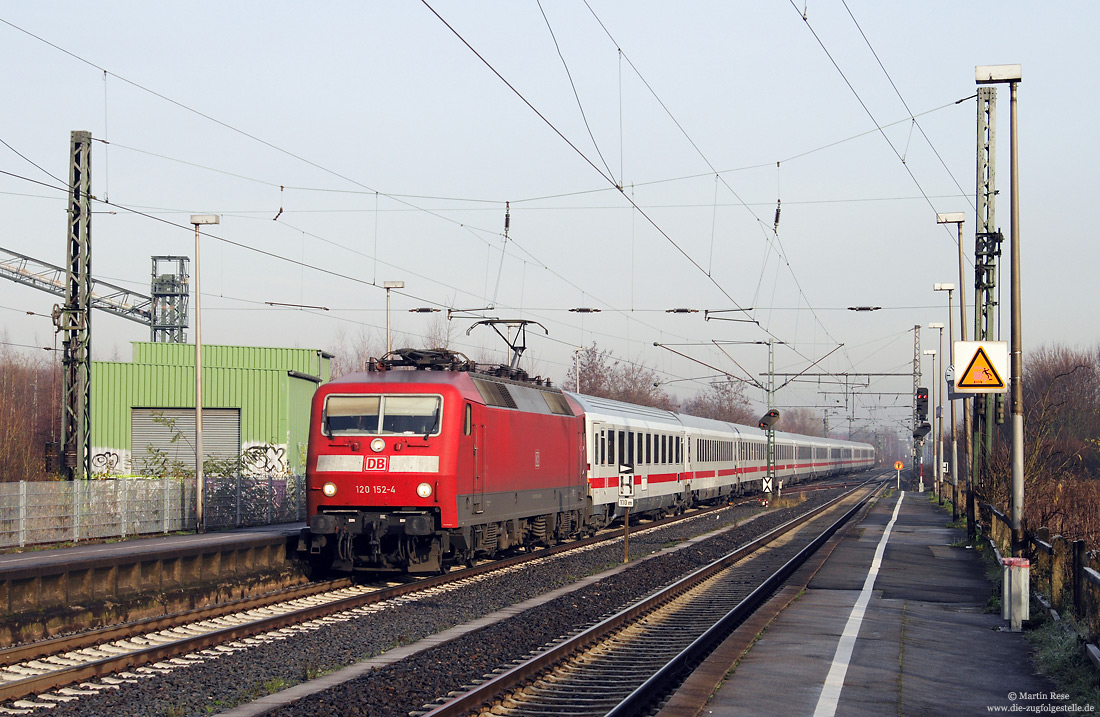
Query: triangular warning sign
[{"x": 980, "y": 373}]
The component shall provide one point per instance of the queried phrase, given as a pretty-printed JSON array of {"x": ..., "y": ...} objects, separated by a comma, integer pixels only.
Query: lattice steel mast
[
  {"x": 987, "y": 252},
  {"x": 73, "y": 318}
]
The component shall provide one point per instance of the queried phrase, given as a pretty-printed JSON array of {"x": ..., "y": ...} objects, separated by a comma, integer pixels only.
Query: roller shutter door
[{"x": 156, "y": 427}]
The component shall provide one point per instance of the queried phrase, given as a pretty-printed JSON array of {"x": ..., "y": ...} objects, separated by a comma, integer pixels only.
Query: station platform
[
  {"x": 892, "y": 619},
  {"x": 43, "y": 589}
]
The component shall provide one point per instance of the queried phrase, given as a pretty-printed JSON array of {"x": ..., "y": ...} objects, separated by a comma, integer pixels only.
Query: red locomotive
[{"x": 424, "y": 462}]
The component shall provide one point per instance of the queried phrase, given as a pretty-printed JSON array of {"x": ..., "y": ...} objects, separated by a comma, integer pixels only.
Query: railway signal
[
  {"x": 922, "y": 403},
  {"x": 768, "y": 419}
]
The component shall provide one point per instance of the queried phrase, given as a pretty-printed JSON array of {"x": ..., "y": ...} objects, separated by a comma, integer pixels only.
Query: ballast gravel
[{"x": 404, "y": 687}]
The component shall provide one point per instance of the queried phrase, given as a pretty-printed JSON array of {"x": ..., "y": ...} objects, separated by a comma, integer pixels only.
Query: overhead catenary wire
[
  {"x": 472, "y": 231},
  {"x": 605, "y": 176},
  {"x": 905, "y": 104},
  {"x": 303, "y": 264},
  {"x": 576, "y": 95},
  {"x": 706, "y": 160},
  {"x": 878, "y": 127},
  {"x": 577, "y": 150}
]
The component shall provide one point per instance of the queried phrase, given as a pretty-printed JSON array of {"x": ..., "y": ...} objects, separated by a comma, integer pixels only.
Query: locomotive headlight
[
  {"x": 424, "y": 490},
  {"x": 377, "y": 445},
  {"x": 329, "y": 489}
]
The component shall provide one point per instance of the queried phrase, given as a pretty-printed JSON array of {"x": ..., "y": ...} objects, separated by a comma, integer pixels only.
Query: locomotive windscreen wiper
[{"x": 434, "y": 427}]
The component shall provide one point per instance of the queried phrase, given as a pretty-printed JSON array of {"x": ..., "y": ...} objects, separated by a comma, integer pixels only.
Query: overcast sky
[{"x": 348, "y": 144}]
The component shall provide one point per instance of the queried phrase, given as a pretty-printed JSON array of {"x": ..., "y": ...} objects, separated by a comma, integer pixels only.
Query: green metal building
[{"x": 255, "y": 405}]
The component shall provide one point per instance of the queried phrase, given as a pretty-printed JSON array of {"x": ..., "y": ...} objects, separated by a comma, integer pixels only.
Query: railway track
[
  {"x": 60, "y": 669},
  {"x": 629, "y": 662}
]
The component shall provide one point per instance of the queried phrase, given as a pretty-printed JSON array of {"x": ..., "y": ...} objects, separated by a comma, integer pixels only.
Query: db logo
[{"x": 374, "y": 463}]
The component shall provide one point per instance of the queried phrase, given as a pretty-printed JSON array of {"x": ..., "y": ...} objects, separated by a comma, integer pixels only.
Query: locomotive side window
[{"x": 468, "y": 424}]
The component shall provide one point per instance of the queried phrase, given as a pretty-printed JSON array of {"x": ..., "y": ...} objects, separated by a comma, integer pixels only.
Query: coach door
[{"x": 602, "y": 459}]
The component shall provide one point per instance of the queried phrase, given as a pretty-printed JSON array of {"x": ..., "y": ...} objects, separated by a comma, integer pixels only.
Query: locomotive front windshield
[{"x": 382, "y": 415}]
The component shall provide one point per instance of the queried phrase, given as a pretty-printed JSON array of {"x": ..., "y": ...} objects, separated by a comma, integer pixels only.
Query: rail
[
  {"x": 659, "y": 681},
  {"x": 167, "y": 633}
]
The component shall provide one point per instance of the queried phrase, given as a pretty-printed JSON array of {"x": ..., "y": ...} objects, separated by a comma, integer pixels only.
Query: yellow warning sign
[{"x": 980, "y": 373}]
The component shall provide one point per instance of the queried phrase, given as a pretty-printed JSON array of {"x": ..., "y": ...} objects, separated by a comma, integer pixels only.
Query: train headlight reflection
[
  {"x": 424, "y": 490},
  {"x": 329, "y": 489}
]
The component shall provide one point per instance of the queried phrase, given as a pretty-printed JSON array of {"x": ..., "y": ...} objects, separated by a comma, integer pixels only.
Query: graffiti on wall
[
  {"x": 265, "y": 459},
  {"x": 108, "y": 462}
]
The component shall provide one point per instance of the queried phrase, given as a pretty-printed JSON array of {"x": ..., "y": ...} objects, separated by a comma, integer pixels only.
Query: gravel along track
[{"x": 217, "y": 680}]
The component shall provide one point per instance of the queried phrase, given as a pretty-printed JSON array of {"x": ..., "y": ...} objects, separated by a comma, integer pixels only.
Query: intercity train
[{"x": 427, "y": 461}]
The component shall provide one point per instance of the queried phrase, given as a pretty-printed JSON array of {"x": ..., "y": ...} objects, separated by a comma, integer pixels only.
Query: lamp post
[
  {"x": 1012, "y": 75},
  {"x": 949, "y": 288},
  {"x": 957, "y": 219},
  {"x": 935, "y": 459},
  {"x": 939, "y": 416},
  {"x": 390, "y": 285},
  {"x": 200, "y": 481}
]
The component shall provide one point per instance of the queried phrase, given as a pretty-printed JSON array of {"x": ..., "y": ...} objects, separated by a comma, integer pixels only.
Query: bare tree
[
  {"x": 352, "y": 356},
  {"x": 30, "y": 409},
  {"x": 440, "y": 333},
  {"x": 722, "y": 401},
  {"x": 800, "y": 420},
  {"x": 596, "y": 367},
  {"x": 1061, "y": 389},
  {"x": 601, "y": 374}
]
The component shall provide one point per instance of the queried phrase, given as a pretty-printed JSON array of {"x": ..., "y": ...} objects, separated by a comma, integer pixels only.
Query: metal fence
[{"x": 43, "y": 512}]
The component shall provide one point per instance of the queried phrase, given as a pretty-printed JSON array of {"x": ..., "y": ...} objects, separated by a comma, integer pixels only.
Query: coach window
[
  {"x": 622, "y": 447},
  {"x": 649, "y": 448}
]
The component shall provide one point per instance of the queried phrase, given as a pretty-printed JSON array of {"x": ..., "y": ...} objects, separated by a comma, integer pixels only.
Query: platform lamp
[
  {"x": 200, "y": 480},
  {"x": 957, "y": 218},
  {"x": 950, "y": 289}
]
